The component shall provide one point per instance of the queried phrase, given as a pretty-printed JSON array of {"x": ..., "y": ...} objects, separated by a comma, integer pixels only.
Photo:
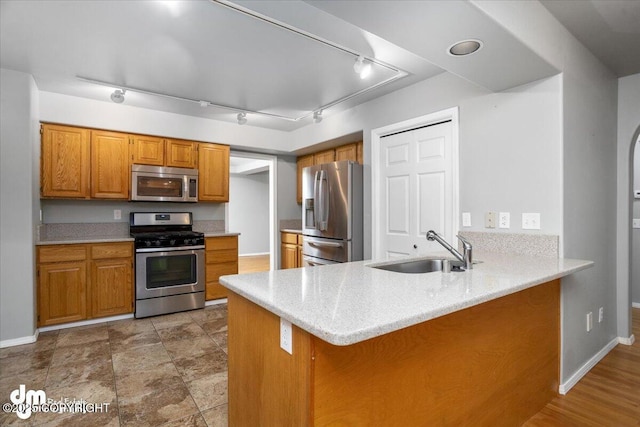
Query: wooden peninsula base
[{"x": 493, "y": 364}]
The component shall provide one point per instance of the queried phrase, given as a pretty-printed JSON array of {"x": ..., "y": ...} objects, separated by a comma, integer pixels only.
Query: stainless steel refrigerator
[{"x": 332, "y": 213}]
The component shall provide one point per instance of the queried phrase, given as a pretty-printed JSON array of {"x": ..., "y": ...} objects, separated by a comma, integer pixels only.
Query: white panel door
[{"x": 416, "y": 173}]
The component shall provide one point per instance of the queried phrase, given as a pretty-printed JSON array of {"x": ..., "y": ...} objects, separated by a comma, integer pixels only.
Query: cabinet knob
[{"x": 415, "y": 246}]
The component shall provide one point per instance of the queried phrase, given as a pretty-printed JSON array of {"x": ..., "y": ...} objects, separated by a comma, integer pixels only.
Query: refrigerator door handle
[
  {"x": 316, "y": 198},
  {"x": 323, "y": 201},
  {"x": 326, "y": 244}
]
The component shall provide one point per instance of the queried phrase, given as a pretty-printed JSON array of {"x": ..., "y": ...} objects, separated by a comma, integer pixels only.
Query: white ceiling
[
  {"x": 610, "y": 29},
  {"x": 232, "y": 54}
]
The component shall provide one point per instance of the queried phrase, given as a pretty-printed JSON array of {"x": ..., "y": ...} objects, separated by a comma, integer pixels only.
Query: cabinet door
[
  {"x": 347, "y": 152},
  {"x": 61, "y": 292},
  {"x": 181, "y": 154},
  {"x": 109, "y": 165},
  {"x": 289, "y": 256},
  {"x": 324, "y": 157},
  {"x": 213, "y": 173},
  {"x": 221, "y": 258},
  {"x": 111, "y": 287},
  {"x": 147, "y": 150},
  {"x": 301, "y": 163},
  {"x": 64, "y": 168}
]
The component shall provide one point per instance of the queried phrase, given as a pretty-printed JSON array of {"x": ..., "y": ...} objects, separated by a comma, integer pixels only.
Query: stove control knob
[
  {"x": 187, "y": 241},
  {"x": 148, "y": 243},
  {"x": 157, "y": 242},
  {"x": 172, "y": 242}
]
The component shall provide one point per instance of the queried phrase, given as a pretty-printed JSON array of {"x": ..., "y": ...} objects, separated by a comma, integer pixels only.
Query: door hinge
[{"x": 41, "y": 130}]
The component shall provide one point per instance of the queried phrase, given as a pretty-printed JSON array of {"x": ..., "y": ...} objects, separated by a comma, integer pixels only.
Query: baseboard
[
  {"x": 635, "y": 304},
  {"x": 86, "y": 322},
  {"x": 577, "y": 376},
  {"x": 20, "y": 341},
  {"x": 215, "y": 302},
  {"x": 256, "y": 254},
  {"x": 627, "y": 341}
]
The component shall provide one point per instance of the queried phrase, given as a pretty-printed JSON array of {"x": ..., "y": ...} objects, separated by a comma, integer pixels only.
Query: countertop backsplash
[{"x": 538, "y": 245}]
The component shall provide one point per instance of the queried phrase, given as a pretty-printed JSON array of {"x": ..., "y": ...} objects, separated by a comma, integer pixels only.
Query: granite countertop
[
  {"x": 76, "y": 239},
  {"x": 219, "y": 233},
  {"x": 347, "y": 303}
]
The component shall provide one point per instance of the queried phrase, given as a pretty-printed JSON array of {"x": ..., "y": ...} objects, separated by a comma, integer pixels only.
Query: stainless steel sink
[{"x": 419, "y": 266}]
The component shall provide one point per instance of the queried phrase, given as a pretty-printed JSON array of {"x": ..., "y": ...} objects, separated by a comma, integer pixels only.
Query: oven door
[{"x": 170, "y": 271}]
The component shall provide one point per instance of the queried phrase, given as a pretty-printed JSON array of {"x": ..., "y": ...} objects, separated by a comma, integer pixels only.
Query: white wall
[
  {"x": 589, "y": 104},
  {"x": 628, "y": 242},
  {"x": 19, "y": 204},
  {"x": 249, "y": 212},
  {"x": 510, "y": 144}
]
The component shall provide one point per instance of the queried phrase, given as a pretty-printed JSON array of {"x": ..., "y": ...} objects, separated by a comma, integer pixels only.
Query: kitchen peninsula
[{"x": 374, "y": 347}]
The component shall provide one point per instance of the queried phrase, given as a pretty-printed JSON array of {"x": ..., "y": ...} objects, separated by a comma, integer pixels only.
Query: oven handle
[{"x": 180, "y": 248}]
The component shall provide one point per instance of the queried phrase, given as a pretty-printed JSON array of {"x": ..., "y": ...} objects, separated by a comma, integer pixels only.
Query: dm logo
[{"x": 25, "y": 400}]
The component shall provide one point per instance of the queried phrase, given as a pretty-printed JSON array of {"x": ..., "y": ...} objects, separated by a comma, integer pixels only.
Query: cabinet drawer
[
  {"x": 290, "y": 238},
  {"x": 220, "y": 256},
  {"x": 227, "y": 242},
  {"x": 61, "y": 253},
  {"x": 112, "y": 250},
  {"x": 214, "y": 271}
]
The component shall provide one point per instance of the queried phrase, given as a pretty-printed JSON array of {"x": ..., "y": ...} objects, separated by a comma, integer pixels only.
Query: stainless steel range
[{"x": 169, "y": 265}]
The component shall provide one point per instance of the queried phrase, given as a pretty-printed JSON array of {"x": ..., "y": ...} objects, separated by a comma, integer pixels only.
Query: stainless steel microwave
[{"x": 163, "y": 184}]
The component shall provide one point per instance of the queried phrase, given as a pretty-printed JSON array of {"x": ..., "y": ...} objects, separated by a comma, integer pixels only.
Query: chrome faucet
[{"x": 465, "y": 258}]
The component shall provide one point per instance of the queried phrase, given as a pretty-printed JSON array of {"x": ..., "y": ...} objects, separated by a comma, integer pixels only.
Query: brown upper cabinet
[
  {"x": 213, "y": 172},
  {"x": 181, "y": 154},
  {"x": 346, "y": 152},
  {"x": 64, "y": 162},
  {"x": 302, "y": 162},
  {"x": 176, "y": 153},
  {"x": 110, "y": 175},
  {"x": 326, "y": 156},
  {"x": 147, "y": 150}
]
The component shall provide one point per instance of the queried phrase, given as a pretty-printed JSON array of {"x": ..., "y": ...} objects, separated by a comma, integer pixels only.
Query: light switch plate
[
  {"x": 466, "y": 219},
  {"x": 117, "y": 214},
  {"x": 636, "y": 222}
]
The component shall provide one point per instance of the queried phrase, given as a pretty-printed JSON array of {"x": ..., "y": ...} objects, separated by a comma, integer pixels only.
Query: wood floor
[
  {"x": 253, "y": 264},
  {"x": 609, "y": 395}
]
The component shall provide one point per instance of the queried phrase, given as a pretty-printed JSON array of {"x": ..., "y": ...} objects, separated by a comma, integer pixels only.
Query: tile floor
[{"x": 161, "y": 371}]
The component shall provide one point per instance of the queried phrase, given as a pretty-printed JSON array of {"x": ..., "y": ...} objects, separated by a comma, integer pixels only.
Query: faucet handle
[{"x": 465, "y": 242}]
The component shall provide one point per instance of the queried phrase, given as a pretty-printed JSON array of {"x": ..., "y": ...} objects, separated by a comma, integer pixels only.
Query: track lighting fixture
[
  {"x": 317, "y": 116},
  {"x": 362, "y": 67},
  {"x": 242, "y": 118},
  {"x": 118, "y": 96},
  {"x": 204, "y": 104}
]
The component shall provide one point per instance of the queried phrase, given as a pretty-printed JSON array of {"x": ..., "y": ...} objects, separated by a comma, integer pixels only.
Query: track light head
[
  {"x": 242, "y": 118},
  {"x": 362, "y": 67},
  {"x": 317, "y": 116},
  {"x": 118, "y": 96}
]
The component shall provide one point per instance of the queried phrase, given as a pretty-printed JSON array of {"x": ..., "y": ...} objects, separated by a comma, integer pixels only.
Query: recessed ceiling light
[{"x": 464, "y": 47}]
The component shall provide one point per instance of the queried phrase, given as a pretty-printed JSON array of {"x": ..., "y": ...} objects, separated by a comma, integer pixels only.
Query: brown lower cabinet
[
  {"x": 221, "y": 258},
  {"x": 496, "y": 363},
  {"x": 84, "y": 281},
  {"x": 290, "y": 250}
]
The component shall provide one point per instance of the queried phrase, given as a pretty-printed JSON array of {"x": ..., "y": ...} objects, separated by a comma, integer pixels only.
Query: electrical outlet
[
  {"x": 504, "y": 220},
  {"x": 286, "y": 342},
  {"x": 636, "y": 222},
  {"x": 117, "y": 214},
  {"x": 531, "y": 221},
  {"x": 490, "y": 220},
  {"x": 600, "y": 314},
  {"x": 589, "y": 321},
  {"x": 466, "y": 219}
]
